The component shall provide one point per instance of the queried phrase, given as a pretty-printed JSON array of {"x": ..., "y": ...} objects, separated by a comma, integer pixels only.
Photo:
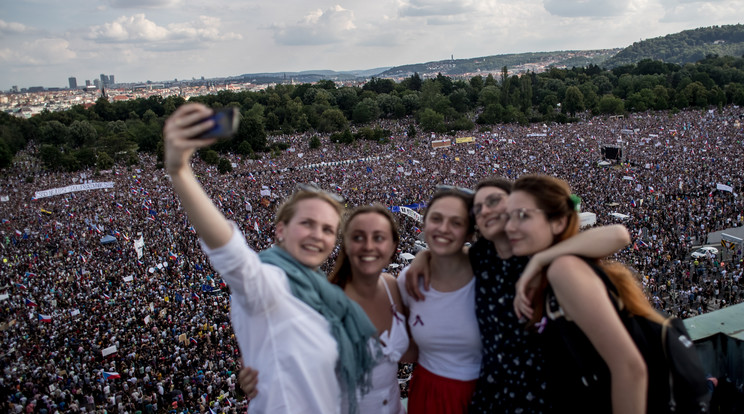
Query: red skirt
[{"x": 429, "y": 393}]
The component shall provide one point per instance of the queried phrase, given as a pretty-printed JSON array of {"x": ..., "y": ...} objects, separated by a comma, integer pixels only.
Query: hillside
[
  {"x": 684, "y": 47},
  {"x": 516, "y": 62}
]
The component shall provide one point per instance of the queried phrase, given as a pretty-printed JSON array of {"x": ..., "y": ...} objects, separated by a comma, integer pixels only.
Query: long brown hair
[
  {"x": 553, "y": 197},
  {"x": 341, "y": 274}
]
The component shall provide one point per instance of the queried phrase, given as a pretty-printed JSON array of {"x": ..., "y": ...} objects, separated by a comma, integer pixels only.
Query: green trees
[
  {"x": 108, "y": 132},
  {"x": 574, "y": 100}
]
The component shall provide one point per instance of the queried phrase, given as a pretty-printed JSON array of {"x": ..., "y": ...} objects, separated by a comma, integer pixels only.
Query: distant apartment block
[{"x": 73, "y": 82}]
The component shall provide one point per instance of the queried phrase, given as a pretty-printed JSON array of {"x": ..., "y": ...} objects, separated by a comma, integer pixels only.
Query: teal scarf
[{"x": 350, "y": 326}]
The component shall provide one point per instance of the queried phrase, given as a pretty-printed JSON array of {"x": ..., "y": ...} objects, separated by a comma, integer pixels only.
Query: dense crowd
[{"x": 68, "y": 298}]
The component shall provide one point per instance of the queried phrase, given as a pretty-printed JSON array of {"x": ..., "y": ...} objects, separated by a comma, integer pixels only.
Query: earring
[{"x": 280, "y": 240}]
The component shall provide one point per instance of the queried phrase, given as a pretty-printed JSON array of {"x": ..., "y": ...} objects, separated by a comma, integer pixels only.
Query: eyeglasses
[
  {"x": 443, "y": 187},
  {"x": 490, "y": 202},
  {"x": 520, "y": 215},
  {"x": 315, "y": 189}
]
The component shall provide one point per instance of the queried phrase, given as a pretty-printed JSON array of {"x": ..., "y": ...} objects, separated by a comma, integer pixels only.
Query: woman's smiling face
[
  {"x": 369, "y": 243},
  {"x": 310, "y": 234},
  {"x": 446, "y": 225}
]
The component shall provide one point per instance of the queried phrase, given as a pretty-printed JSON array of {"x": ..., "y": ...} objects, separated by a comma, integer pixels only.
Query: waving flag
[
  {"x": 172, "y": 256},
  {"x": 31, "y": 303},
  {"x": 45, "y": 318},
  {"x": 21, "y": 286},
  {"x": 111, "y": 375},
  {"x": 193, "y": 340}
]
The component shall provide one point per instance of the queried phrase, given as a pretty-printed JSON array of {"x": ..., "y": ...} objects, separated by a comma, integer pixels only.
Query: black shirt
[{"x": 512, "y": 377}]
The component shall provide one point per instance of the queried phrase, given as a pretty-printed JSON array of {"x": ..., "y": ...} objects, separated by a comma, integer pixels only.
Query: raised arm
[
  {"x": 597, "y": 242},
  {"x": 179, "y": 134}
]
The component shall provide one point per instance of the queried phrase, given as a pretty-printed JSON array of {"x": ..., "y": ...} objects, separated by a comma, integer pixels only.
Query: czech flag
[
  {"x": 194, "y": 296},
  {"x": 45, "y": 318},
  {"x": 107, "y": 297},
  {"x": 172, "y": 256},
  {"x": 111, "y": 375},
  {"x": 21, "y": 286},
  {"x": 31, "y": 303},
  {"x": 193, "y": 340}
]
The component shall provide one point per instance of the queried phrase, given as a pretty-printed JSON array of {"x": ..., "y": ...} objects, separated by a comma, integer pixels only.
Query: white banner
[
  {"x": 139, "y": 244},
  {"x": 129, "y": 278},
  {"x": 108, "y": 351},
  {"x": 4, "y": 296},
  {"x": 73, "y": 188},
  {"x": 75, "y": 312},
  {"x": 410, "y": 213},
  {"x": 724, "y": 187}
]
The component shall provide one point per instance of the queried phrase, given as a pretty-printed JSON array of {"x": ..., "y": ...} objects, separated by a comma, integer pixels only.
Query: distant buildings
[{"x": 73, "y": 82}]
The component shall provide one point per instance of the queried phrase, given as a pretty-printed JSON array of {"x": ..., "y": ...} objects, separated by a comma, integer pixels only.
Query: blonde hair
[{"x": 288, "y": 208}]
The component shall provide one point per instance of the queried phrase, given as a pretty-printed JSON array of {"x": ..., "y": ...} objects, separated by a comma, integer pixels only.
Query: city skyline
[{"x": 44, "y": 43}]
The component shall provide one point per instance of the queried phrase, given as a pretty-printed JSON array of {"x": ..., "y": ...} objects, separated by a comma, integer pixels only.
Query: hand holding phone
[{"x": 226, "y": 122}]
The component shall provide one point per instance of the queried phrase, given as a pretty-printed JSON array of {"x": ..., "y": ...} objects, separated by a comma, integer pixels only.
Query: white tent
[{"x": 587, "y": 219}]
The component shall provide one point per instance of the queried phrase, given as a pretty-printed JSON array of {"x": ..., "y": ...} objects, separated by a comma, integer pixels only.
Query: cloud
[
  {"x": 585, "y": 8},
  {"x": 11, "y": 28},
  {"x": 691, "y": 11},
  {"x": 139, "y": 4},
  {"x": 138, "y": 29},
  {"x": 318, "y": 27},
  {"x": 425, "y": 8},
  {"x": 39, "y": 52}
]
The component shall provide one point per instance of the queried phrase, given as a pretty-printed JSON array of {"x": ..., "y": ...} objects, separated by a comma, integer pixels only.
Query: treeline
[
  {"x": 685, "y": 47},
  {"x": 108, "y": 133}
]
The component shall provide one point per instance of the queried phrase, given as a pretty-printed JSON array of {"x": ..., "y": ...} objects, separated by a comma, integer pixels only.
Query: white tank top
[{"x": 384, "y": 396}]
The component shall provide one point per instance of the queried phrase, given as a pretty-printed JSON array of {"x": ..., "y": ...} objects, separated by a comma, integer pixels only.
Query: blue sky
[{"x": 43, "y": 42}]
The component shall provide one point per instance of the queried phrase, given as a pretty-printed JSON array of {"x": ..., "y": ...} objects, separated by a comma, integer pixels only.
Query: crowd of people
[{"x": 89, "y": 326}]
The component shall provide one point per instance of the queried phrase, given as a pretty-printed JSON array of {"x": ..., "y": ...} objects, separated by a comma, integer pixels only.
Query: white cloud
[
  {"x": 318, "y": 27},
  {"x": 8, "y": 28},
  {"x": 140, "y": 4},
  {"x": 138, "y": 29},
  {"x": 584, "y": 8},
  {"x": 425, "y": 8},
  {"x": 39, "y": 52},
  {"x": 691, "y": 11}
]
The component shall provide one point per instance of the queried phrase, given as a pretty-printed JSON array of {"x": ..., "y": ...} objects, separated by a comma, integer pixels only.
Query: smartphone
[{"x": 226, "y": 122}]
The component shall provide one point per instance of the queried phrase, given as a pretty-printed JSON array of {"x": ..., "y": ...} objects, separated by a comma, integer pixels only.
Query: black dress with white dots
[{"x": 512, "y": 377}]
